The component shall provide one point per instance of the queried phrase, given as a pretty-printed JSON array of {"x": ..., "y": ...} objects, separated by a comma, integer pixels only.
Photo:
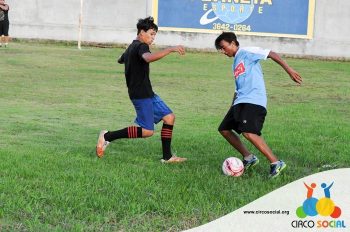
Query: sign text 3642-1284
[{"x": 230, "y": 27}]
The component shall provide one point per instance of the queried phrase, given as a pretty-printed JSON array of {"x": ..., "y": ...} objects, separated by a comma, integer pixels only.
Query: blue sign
[{"x": 279, "y": 18}]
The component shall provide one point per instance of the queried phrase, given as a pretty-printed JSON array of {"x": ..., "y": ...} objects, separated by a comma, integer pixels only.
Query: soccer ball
[{"x": 233, "y": 166}]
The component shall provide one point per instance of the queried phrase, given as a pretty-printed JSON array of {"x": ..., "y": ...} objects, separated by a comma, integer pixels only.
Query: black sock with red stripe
[
  {"x": 131, "y": 132},
  {"x": 166, "y": 135}
]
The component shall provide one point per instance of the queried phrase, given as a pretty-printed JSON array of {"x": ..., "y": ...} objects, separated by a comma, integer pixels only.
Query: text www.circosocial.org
[{"x": 285, "y": 212}]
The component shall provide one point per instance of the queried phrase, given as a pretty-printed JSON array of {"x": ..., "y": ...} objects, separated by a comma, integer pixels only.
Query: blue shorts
[{"x": 150, "y": 111}]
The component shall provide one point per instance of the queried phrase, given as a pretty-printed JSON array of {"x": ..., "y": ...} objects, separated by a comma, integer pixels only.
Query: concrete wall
[{"x": 113, "y": 21}]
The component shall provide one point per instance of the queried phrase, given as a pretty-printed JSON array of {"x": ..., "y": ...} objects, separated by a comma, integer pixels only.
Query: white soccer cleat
[
  {"x": 174, "y": 159},
  {"x": 101, "y": 144}
]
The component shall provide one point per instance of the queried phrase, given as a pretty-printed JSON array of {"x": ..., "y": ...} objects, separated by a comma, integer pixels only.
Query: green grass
[{"x": 54, "y": 100}]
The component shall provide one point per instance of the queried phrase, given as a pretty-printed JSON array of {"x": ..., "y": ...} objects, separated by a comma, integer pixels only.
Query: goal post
[{"x": 80, "y": 23}]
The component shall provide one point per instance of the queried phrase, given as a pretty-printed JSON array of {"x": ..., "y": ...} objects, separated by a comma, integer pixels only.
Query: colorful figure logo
[{"x": 313, "y": 206}]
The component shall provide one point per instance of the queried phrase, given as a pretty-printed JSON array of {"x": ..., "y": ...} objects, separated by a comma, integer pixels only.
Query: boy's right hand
[{"x": 295, "y": 76}]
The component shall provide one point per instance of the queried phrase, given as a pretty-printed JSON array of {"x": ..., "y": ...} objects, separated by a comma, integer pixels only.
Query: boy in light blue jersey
[{"x": 248, "y": 111}]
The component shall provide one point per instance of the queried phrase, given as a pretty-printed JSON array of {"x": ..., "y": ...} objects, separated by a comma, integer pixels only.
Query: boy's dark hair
[
  {"x": 228, "y": 37},
  {"x": 146, "y": 24}
]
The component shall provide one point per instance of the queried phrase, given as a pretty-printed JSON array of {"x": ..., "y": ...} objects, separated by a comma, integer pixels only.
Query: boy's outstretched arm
[
  {"x": 291, "y": 72},
  {"x": 151, "y": 57}
]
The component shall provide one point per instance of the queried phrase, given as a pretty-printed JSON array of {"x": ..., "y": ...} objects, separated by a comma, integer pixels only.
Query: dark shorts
[
  {"x": 244, "y": 117},
  {"x": 4, "y": 28},
  {"x": 150, "y": 111}
]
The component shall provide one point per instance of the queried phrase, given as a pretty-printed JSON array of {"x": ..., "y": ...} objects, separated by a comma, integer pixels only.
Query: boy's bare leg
[
  {"x": 169, "y": 119},
  {"x": 147, "y": 133},
  {"x": 261, "y": 145},
  {"x": 235, "y": 141},
  {"x": 6, "y": 39}
]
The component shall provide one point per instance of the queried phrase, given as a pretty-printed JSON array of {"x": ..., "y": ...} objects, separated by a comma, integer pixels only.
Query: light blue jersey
[{"x": 250, "y": 86}]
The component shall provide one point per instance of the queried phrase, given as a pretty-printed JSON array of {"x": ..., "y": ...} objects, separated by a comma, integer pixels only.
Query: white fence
[{"x": 114, "y": 21}]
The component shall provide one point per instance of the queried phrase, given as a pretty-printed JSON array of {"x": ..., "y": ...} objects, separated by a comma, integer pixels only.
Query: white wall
[{"x": 114, "y": 21}]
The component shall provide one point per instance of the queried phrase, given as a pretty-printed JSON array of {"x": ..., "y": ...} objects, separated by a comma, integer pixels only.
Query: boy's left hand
[{"x": 179, "y": 49}]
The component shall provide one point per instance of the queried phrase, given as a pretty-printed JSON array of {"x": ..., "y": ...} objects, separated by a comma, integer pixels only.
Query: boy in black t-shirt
[
  {"x": 4, "y": 23},
  {"x": 149, "y": 107}
]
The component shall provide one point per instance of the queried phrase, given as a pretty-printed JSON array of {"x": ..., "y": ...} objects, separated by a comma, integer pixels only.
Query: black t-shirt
[
  {"x": 4, "y": 15},
  {"x": 137, "y": 71}
]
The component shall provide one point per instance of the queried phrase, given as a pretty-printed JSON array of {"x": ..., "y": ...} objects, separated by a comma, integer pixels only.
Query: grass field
[{"x": 54, "y": 100}]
